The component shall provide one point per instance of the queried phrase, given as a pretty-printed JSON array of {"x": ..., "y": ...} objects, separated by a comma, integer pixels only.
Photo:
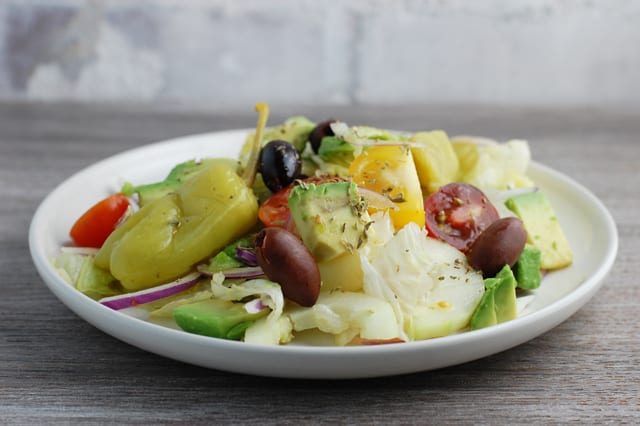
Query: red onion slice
[
  {"x": 141, "y": 297},
  {"x": 254, "y": 306},
  {"x": 246, "y": 256},
  {"x": 376, "y": 200},
  {"x": 246, "y": 272}
]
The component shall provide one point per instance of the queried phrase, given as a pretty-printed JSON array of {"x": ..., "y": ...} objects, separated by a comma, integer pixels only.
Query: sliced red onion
[
  {"x": 255, "y": 306},
  {"x": 246, "y": 272},
  {"x": 246, "y": 256},
  {"x": 134, "y": 202},
  {"x": 376, "y": 200},
  {"x": 141, "y": 297},
  {"x": 126, "y": 215}
]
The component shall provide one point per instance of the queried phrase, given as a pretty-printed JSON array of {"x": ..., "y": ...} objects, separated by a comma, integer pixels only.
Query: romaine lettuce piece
[
  {"x": 81, "y": 272},
  {"x": 337, "y": 151},
  {"x": 273, "y": 329}
]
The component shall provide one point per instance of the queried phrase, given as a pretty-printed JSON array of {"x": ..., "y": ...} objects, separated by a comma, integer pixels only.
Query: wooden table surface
[{"x": 56, "y": 368}]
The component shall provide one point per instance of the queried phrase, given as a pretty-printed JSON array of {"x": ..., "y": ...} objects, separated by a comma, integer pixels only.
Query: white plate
[{"x": 588, "y": 225}]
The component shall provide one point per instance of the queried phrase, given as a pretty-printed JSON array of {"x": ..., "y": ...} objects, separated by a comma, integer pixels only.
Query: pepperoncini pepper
[{"x": 168, "y": 236}]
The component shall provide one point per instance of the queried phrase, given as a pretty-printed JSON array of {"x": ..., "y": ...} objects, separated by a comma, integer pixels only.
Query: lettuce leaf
[{"x": 430, "y": 285}]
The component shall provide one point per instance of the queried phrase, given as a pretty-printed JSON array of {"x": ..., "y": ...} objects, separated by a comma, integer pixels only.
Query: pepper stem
[{"x": 249, "y": 174}]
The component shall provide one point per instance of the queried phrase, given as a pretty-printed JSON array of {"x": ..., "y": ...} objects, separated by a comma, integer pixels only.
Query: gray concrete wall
[{"x": 225, "y": 54}]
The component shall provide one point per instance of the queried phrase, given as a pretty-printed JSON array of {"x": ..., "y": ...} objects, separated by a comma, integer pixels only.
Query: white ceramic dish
[{"x": 588, "y": 225}]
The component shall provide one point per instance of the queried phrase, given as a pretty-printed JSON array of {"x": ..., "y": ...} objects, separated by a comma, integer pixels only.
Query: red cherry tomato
[
  {"x": 275, "y": 209},
  {"x": 97, "y": 223},
  {"x": 457, "y": 213}
]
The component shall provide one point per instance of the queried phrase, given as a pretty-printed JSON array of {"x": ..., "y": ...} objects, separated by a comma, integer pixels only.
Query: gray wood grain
[{"x": 56, "y": 368}]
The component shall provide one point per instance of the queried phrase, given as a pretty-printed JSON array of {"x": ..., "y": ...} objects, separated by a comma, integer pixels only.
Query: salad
[{"x": 327, "y": 232}]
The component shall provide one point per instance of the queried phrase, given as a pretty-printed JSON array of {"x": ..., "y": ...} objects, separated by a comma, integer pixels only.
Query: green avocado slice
[
  {"x": 527, "y": 268},
  {"x": 216, "y": 318},
  {"x": 498, "y": 304}
]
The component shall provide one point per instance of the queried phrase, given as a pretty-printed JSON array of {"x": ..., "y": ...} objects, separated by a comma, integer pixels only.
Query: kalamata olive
[
  {"x": 498, "y": 245},
  {"x": 285, "y": 260},
  {"x": 320, "y": 131},
  {"x": 279, "y": 164}
]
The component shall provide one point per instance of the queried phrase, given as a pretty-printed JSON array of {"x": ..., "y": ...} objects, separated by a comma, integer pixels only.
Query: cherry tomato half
[
  {"x": 457, "y": 213},
  {"x": 97, "y": 223},
  {"x": 275, "y": 209}
]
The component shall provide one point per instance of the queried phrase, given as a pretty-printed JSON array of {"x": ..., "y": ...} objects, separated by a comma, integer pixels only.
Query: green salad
[{"x": 349, "y": 235}]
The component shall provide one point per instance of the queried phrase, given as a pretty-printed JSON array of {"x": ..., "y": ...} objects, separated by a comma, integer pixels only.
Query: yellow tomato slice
[{"x": 390, "y": 171}]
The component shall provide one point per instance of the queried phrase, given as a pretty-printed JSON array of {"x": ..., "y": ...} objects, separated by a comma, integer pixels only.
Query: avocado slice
[
  {"x": 543, "y": 229},
  {"x": 498, "y": 303},
  {"x": 527, "y": 268},
  {"x": 216, "y": 318},
  {"x": 331, "y": 218}
]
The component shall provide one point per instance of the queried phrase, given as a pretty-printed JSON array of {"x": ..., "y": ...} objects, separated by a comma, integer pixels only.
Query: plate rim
[{"x": 93, "y": 312}]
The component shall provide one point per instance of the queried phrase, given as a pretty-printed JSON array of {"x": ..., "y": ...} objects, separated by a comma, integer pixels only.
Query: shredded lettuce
[
  {"x": 337, "y": 151},
  {"x": 429, "y": 284},
  {"x": 375, "y": 285},
  {"x": 380, "y": 231},
  {"x": 356, "y": 134},
  {"x": 346, "y": 315},
  {"x": 315, "y": 163},
  {"x": 165, "y": 310},
  {"x": 500, "y": 166},
  {"x": 84, "y": 275},
  {"x": 269, "y": 332},
  {"x": 274, "y": 329}
]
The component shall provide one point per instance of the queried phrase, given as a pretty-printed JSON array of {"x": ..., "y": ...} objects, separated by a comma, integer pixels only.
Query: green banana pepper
[{"x": 168, "y": 236}]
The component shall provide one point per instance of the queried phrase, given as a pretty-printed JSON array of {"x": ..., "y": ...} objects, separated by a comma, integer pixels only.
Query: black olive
[
  {"x": 320, "y": 131},
  {"x": 279, "y": 164}
]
